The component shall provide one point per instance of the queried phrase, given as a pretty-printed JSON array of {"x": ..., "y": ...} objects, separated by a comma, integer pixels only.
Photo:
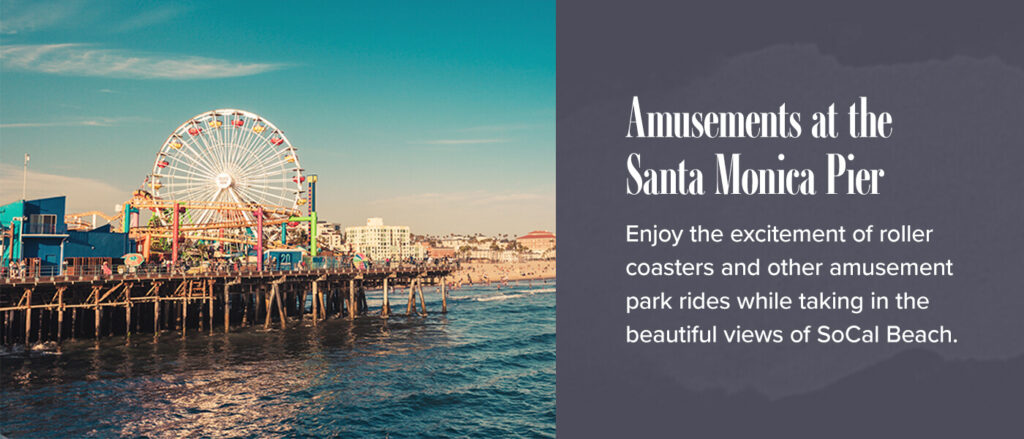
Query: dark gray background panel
[{"x": 953, "y": 79}]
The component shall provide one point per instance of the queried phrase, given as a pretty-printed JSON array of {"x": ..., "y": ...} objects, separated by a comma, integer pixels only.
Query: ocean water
[{"x": 485, "y": 369}]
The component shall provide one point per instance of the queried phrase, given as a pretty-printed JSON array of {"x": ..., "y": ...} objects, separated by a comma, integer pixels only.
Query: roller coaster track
[{"x": 75, "y": 221}]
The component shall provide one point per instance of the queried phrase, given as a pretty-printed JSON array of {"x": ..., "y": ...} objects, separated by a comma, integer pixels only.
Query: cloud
[
  {"x": 149, "y": 18},
  {"x": 93, "y": 122},
  {"x": 460, "y": 141},
  {"x": 478, "y": 198},
  {"x": 31, "y": 16},
  {"x": 83, "y": 194},
  {"x": 27, "y": 16},
  {"x": 83, "y": 60},
  {"x": 503, "y": 127},
  {"x": 106, "y": 90}
]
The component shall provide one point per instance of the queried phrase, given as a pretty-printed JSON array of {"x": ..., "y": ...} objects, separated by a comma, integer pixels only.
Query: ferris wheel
[{"x": 227, "y": 156}]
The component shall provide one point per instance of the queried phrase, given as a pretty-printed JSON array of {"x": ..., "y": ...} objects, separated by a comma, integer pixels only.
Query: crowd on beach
[{"x": 489, "y": 272}]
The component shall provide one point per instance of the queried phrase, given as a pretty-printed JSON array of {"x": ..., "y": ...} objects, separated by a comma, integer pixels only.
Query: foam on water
[{"x": 499, "y": 297}]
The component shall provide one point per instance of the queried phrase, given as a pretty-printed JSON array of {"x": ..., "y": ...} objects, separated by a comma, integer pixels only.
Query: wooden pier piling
[
  {"x": 444, "y": 295},
  {"x": 385, "y": 307},
  {"x": 46, "y": 308},
  {"x": 423, "y": 304},
  {"x": 315, "y": 293},
  {"x": 227, "y": 307}
]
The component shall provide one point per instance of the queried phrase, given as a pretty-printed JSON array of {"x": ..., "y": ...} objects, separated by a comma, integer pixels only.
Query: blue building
[
  {"x": 282, "y": 259},
  {"x": 100, "y": 242},
  {"x": 35, "y": 229}
]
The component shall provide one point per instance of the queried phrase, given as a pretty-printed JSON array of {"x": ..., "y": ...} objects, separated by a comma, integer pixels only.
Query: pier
[{"x": 90, "y": 304}]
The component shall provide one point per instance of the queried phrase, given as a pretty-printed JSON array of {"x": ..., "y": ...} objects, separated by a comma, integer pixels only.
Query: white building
[
  {"x": 494, "y": 255},
  {"x": 380, "y": 242},
  {"x": 331, "y": 239},
  {"x": 455, "y": 242}
]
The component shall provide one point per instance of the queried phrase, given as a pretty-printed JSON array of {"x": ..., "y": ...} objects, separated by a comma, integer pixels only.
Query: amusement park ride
[{"x": 224, "y": 177}]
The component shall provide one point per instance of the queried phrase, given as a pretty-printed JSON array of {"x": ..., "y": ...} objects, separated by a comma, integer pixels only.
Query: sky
[{"x": 440, "y": 117}]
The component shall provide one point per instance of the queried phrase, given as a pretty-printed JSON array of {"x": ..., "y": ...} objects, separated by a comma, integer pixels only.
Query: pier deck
[{"x": 53, "y": 308}]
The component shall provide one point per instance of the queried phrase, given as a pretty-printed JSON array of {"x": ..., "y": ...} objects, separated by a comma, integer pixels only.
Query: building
[
  {"x": 441, "y": 252},
  {"x": 324, "y": 226},
  {"x": 331, "y": 238},
  {"x": 494, "y": 255},
  {"x": 537, "y": 241},
  {"x": 34, "y": 230},
  {"x": 435, "y": 252},
  {"x": 455, "y": 242},
  {"x": 380, "y": 242}
]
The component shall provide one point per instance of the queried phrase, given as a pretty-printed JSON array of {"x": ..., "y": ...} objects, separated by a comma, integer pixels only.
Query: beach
[{"x": 482, "y": 272}]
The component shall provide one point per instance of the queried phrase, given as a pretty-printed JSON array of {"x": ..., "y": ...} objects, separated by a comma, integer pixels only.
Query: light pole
[{"x": 24, "y": 178}]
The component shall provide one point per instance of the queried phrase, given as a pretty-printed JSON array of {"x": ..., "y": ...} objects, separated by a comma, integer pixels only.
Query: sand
[{"x": 481, "y": 272}]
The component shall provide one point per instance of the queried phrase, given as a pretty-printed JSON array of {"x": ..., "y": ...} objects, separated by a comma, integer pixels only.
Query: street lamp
[{"x": 24, "y": 178}]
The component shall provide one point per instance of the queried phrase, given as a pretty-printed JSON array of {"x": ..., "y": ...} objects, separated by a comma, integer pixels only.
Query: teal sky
[{"x": 440, "y": 116}]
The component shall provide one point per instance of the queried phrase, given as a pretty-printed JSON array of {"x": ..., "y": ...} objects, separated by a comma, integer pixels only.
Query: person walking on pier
[{"x": 106, "y": 269}]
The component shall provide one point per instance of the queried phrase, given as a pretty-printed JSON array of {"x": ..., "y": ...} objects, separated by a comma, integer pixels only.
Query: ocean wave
[{"x": 499, "y": 297}]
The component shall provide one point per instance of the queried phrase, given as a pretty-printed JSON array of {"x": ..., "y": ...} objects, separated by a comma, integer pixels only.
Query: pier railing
[{"x": 44, "y": 274}]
